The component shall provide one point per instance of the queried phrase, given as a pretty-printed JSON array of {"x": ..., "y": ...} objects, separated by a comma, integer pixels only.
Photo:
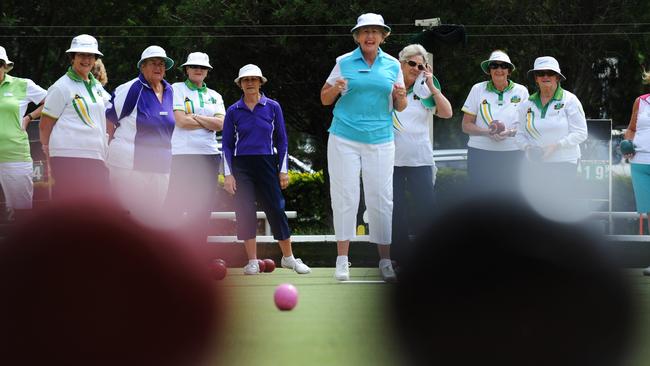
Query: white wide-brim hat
[
  {"x": 3, "y": 57},
  {"x": 198, "y": 59},
  {"x": 547, "y": 63},
  {"x": 367, "y": 19},
  {"x": 84, "y": 43},
  {"x": 250, "y": 70},
  {"x": 156, "y": 51},
  {"x": 497, "y": 56}
]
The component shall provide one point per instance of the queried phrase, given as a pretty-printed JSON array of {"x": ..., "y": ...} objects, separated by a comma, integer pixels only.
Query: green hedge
[{"x": 307, "y": 194}]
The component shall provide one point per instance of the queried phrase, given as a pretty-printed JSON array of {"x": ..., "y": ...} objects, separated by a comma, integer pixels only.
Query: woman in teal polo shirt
[
  {"x": 16, "y": 166},
  {"x": 367, "y": 85}
]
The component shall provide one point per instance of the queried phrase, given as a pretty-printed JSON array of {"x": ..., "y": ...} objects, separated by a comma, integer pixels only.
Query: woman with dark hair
[{"x": 73, "y": 126}]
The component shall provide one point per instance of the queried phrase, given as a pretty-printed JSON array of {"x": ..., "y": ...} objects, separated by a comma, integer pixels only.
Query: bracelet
[{"x": 30, "y": 116}]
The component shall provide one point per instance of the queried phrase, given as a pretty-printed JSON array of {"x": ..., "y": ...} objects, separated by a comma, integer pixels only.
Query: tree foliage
[{"x": 295, "y": 42}]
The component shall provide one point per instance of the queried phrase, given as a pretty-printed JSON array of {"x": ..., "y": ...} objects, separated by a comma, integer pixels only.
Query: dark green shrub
[{"x": 307, "y": 194}]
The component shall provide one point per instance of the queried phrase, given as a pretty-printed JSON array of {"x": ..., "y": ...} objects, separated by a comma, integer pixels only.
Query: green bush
[{"x": 307, "y": 194}]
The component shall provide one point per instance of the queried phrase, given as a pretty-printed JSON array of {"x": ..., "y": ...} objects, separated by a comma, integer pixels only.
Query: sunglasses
[
  {"x": 545, "y": 73},
  {"x": 498, "y": 65},
  {"x": 198, "y": 67},
  {"x": 414, "y": 64}
]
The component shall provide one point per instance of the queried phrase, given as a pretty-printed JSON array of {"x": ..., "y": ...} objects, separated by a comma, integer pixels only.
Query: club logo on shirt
[
  {"x": 189, "y": 106},
  {"x": 558, "y": 106},
  {"x": 515, "y": 99},
  {"x": 81, "y": 107}
]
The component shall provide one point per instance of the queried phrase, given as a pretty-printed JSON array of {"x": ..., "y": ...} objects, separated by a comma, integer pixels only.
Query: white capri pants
[
  {"x": 141, "y": 193},
  {"x": 346, "y": 160},
  {"x": 17, "y": 184}
]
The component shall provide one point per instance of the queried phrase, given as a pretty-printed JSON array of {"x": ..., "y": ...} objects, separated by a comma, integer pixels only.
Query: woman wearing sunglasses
[
  {"x": 551, "y": 125},
  {"x": 366, "y": 85},
  {"x": 199, "y": 113},
  {"x": 414, "y": 170},
  {"x": 493, "y": 157}
]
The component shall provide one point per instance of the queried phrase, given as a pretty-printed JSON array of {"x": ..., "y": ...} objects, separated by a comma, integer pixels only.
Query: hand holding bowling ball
[{"x": 496, "y": 127}]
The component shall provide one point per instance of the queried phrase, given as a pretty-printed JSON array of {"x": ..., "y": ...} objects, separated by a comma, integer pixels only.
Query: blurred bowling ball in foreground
[{"x": 83, "y": 284}]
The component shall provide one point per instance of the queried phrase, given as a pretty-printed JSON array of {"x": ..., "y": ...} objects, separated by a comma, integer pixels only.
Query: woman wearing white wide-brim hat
[
  {"x": 199, "y": 113},
  {"x": 73, "y": 126},
  {"x": 365, "y": 85},
  {"x": 16, "y": 167},
  {"x": 140, "y": 154},
  {"x": 551, "y": 126},
  {"x": 490, "y": 113},
  {"x": 255, "y": 151}
]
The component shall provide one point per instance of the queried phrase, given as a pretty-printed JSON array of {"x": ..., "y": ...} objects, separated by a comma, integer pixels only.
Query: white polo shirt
[
  {"x": 642, "y": 135},
  {"x": 488, "y": 104},
  {"x": 202, "y": 101},
  {"x": 561, "y": 121},
  {"x": 411, "y": 126},
  {"x": 79, "y": 108}
]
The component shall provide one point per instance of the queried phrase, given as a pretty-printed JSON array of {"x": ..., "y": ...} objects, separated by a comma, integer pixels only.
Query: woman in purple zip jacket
[{"x": 253, "y": 130}]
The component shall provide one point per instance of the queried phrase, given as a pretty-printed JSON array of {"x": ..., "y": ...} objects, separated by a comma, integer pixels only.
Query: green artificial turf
[{"x": 333, "y": 323}]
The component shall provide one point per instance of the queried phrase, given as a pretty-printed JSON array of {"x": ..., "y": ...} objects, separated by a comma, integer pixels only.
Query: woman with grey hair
[
  {"x": 140, "y": 153},
  {"x": 414, "y": 169}
]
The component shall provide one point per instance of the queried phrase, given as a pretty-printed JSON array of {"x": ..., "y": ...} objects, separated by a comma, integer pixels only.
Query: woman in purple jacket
[{"x": 252, "y": 129}]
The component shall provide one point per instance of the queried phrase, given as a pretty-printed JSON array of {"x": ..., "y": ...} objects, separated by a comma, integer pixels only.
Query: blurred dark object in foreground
[
  {"x": 508, "y": 287},
  {"x": 83, "y": 284}
]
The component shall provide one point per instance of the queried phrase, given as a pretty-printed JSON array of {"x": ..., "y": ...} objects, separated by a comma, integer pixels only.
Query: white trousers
[
  {"x": 17, "y": 184},
  {"x": 141, "y": 193},
  {"x": 374, "y": 162}
]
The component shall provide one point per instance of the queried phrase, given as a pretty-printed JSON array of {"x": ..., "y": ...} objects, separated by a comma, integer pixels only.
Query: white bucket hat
[
  {"x": 156, "y": 51},
  {"x": 198, "y": 59},
  {"x": 3, "y": 57},
  {"x": 84, "y": 43},
  {"x": 497, "y": 56},
  {"x": 547, "y": 63},
  {"x": 370, "y": 19},
  {"x": 250, "y": 70}
]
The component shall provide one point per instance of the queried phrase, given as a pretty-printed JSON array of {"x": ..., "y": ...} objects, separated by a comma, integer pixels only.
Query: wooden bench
[
  {"x": 230, "y": 215},
  {"x": 294, "y": 238}
]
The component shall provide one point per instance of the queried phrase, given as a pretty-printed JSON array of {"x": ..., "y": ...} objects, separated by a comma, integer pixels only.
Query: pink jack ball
[{"x": 285, "y": 296}]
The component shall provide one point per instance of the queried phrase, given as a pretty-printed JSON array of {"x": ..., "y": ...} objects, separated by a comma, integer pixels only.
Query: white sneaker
[
  {"x": 387, "y": 272},
  {"x": 251, "y": 269},
  {"x": 297, "y": 265},
  {"x": 646, "y": 272},
  {"x": 342, "y": 272}
]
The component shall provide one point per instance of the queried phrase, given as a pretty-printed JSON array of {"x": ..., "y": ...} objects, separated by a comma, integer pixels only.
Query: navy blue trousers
[
  {"x": 413, "y": 202},
  {"x": 76, "y": 178},
  {"x": 493, "y": 171},
  {"x": 257, "y": 181}
]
